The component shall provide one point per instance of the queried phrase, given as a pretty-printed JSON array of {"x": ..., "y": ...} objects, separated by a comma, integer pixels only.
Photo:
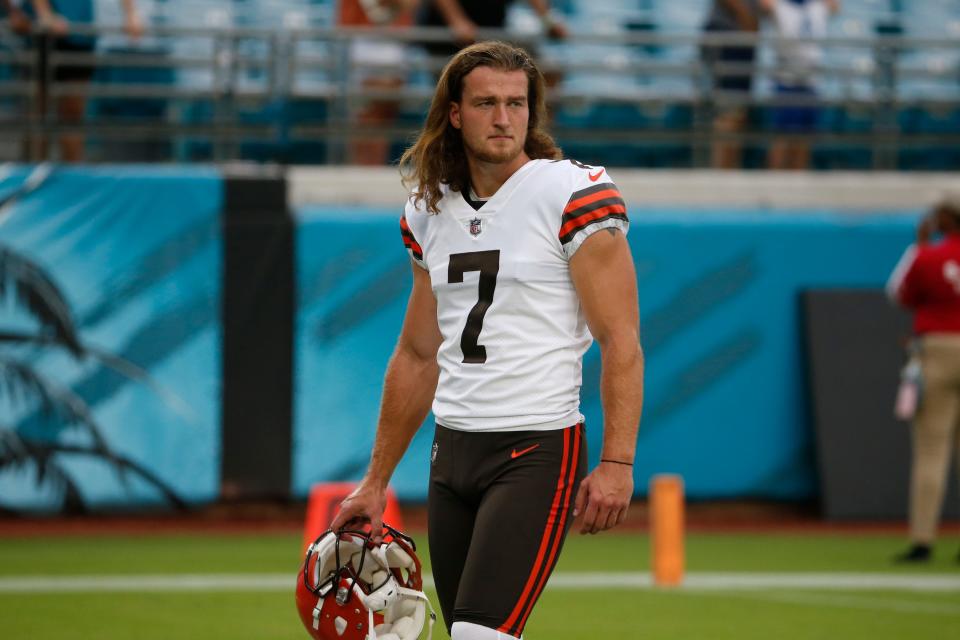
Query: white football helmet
[{"x": 353, "y": 589}]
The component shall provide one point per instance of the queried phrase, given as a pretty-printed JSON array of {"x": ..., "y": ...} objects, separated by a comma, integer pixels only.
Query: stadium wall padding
[
  {"x": 726, "y": 398},
  {"x": 136, "y": 252},
  {"x": 258, "y": 307}
]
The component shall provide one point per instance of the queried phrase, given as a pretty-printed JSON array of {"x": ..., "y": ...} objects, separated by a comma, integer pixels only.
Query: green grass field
[{"x": 134, "y": 611}]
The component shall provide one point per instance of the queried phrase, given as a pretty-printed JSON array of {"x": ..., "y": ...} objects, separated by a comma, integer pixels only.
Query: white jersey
[{"x": 513, "y": 330}]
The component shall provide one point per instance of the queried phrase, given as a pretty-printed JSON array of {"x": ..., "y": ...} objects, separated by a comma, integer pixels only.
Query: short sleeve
[
  {"x": 595, "y": 204},
  {"x": 413, "y": 247}
]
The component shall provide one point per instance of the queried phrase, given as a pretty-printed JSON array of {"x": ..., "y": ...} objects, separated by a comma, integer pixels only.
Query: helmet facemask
[{"x": 353, "y": 589}]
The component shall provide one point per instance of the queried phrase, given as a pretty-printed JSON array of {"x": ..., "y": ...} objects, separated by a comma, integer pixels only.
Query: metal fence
[{"x": 635, "y": 98}]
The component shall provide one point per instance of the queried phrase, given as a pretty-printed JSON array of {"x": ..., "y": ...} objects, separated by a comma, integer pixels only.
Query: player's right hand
[
  {"x": 603, "y": 497},
  {"x": 364, "y": 506}
]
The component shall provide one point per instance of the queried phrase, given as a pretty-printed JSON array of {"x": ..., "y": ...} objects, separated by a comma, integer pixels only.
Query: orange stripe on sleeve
[
  {"x": 408, "y": 240},
  {"x": 584, "y": 219},
  {"x": 573, "y": 205}
]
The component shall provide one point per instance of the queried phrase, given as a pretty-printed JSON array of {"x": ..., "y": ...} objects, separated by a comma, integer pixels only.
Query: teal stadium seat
[
  {"x": 142, "y": 110},
  {"x": 304, "y": 104},
  {"x": 928, "y": 81}
]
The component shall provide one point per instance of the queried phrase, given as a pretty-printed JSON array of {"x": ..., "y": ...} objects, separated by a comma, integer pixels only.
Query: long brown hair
[{"x": 437, "y": 157}]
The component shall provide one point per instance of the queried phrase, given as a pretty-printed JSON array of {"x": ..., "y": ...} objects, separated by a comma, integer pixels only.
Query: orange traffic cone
[{"x": 325, "y": 499}]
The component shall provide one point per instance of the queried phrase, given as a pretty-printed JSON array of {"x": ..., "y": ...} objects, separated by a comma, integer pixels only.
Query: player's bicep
[
  {"x": 605, "y": 279},
  {"x": 420, "y": 335}
]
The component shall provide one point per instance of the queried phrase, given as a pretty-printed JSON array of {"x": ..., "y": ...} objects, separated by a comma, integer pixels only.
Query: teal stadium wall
[{"x": 137, "y": 254}]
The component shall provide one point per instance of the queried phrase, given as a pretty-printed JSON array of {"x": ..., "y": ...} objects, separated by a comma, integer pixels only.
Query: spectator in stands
[
  {"x": 797, "y": 59},
  {"x": 19, "y": 23},
  {"x": 731, "y": 72},
  {"x": 56, "y": 18},
  {"x": 465, "y": 17},
  {"x": 18, "y": 20},
  {"x": 927, "y": 281},
  {"x": 385, "y": 53}
]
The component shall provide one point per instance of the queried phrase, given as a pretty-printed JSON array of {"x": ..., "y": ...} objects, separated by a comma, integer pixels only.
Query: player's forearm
[
  {"x": 408, "y": 390},
  {"x": 621, "y": 392}
]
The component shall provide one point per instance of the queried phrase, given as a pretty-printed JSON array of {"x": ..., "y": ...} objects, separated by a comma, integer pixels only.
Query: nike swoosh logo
[
  {"x": 594, "y": 178},
  {"x": 517, "y": 454}
]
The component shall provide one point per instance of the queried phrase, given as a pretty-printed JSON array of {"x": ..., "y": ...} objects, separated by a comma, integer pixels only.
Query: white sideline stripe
[{"x": 697, "y": 581}]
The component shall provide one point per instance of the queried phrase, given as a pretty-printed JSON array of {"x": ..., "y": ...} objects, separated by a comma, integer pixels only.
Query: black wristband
[{"x": 629, "y": 464}]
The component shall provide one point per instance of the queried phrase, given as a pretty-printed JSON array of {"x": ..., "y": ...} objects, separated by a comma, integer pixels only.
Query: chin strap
[
  {"x": 410, "y": 593},
  {"x": 422, "y": 596},
  {"x": 316, "y": 613}
]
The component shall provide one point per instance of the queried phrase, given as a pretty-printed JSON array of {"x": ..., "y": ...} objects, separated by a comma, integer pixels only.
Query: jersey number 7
[{"x": 488, "y": 264}]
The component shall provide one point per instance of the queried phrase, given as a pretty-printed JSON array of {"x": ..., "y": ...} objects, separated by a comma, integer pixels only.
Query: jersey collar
[{"x": 494, "y": 202}]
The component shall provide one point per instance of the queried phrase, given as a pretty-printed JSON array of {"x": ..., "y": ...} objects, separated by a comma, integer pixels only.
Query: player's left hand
[{"x": 603, "y": 497}]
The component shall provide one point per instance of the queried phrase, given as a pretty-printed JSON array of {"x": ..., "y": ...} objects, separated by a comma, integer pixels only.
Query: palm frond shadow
[
  {"x": 44, "y": 456},
  {"x": 120, "y": 365},
  {"x": 17, "y": 453},
  {"x": 21, "y": 385},
  {"x": 40, "y": 296}
]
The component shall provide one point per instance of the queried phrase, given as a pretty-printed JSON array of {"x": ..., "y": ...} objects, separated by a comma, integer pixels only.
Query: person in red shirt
[{"x": 927, "y": 281}]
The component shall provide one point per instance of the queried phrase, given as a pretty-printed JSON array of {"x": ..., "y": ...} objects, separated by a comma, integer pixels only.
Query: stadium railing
[{"x": 637, "y": 98}]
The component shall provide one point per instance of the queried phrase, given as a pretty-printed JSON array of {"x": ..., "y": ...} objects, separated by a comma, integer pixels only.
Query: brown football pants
[
  {"x": 936, "y": 433},
  {"x": 499, "y": 509}
]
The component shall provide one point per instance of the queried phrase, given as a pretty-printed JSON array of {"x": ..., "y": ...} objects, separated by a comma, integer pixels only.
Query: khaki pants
[{"x": 936, "y": 433}]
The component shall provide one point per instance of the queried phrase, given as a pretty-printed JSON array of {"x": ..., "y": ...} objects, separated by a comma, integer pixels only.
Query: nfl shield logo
[{"x": 475, "y": 227}]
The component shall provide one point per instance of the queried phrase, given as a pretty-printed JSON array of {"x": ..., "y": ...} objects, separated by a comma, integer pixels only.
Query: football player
[{"x": 519, "y": 261}]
